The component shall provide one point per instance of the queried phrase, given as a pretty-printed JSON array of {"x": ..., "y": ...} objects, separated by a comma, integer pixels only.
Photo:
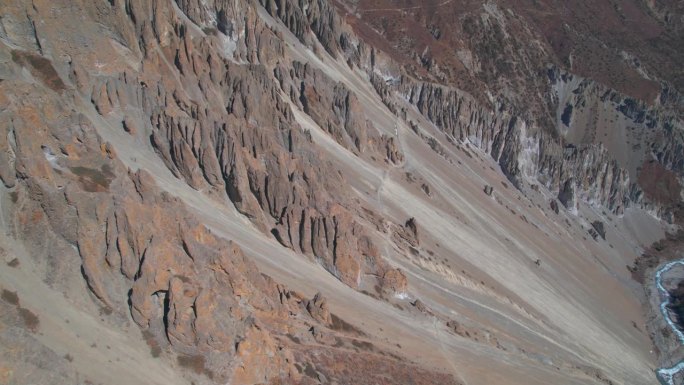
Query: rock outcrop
[
  {"x": 318, "y": 309},
  {"x": 336, "y": 109},
  {"x": 317, "y": 22},
  {"x": 589, "y": 169},
  {"x": 394, "y": 282},
  {"x": 524, "y": 147},
  {"x": 185, "y": 287},
  {"x": 223, "y": 127},
  {"x": 330, "y": 104},
  {"x": 600, "y": 228},
  {"x": 205, "y": 90},
  {"x": 529, "y": 125},
  {"x": 194, "y": 81}
]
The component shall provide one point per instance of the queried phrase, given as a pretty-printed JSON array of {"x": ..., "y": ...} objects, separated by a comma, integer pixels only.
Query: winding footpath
[{"x": 665, "y": 375}]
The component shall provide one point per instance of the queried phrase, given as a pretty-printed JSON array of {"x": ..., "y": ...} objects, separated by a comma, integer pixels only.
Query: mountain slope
[{"x": 269, "y": 194}]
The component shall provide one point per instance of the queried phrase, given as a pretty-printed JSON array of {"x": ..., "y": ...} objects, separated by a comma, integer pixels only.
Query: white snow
[{"x": 51, "y": 158}]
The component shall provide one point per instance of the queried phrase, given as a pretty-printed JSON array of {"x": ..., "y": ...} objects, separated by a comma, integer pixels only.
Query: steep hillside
[
  {"x": 213, "y": 191},
  {"x": 596, "y": 75}
]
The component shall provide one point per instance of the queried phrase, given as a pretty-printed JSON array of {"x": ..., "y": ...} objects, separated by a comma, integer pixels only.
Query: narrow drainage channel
[{"x": 666, "y": 375}]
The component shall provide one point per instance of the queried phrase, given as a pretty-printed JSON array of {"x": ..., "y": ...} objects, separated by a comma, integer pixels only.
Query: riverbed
[{"x": 667, "y": 375}]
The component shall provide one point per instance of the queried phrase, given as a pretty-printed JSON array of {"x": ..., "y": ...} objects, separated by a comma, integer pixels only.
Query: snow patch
[
  {"x": 667, "y": 374},
  {"x": 402, "y": 295},
  {"x": 51, "y": 158}
]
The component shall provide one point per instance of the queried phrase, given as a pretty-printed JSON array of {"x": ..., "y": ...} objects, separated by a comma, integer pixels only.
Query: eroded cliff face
[
  {"x": 210, "y": 88},
  {"x": 646, "y": 141},
  {"x": 336, "y": 109},
  {"x": 223, "y": 127},
  {"x": 519, "y": 108},
  {"x": 527, "y": 155},
  {"x": 195, "y": 81},
  {"x": 73, "y": 203}
]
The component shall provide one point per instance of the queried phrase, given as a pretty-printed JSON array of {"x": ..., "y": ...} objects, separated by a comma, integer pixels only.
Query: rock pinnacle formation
[{"x": 339, "y": 191}]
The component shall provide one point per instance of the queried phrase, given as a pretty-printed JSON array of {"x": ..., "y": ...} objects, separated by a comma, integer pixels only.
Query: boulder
[
  {"x": 421, "y": 307},
  {"x": 554, "y": 206},
  {"x": 566, "y": 195},
  {"x": 457, "y": 328},
  {"x": 129, "y": 126},
  {"x": 394, "y": 282},
  {"x": 318, "y": 309},
  {"x": 412, "y": 227},
  {"x": 600, "y": 228},
  {"x": 593, "y": 233}
]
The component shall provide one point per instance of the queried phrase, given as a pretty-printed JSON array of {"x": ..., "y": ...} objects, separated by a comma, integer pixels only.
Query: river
[{"x": 666, "y": 375}]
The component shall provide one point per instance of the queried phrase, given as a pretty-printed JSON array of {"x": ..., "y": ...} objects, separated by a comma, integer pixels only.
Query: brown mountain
[{"x": 349, "y": 192}]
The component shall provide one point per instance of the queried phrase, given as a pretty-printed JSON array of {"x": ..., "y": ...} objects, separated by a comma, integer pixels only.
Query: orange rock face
[
  {"x": 395, "y": 281},
  {"x": 196, "y": 296}
]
